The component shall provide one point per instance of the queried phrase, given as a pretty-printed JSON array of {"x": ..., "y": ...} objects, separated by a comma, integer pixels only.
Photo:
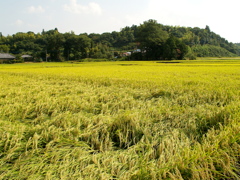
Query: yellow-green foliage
[{"x": 120, "y": 120}]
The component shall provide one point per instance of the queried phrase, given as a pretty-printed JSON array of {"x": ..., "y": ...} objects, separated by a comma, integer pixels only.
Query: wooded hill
[{"x": 148, "y": 41}]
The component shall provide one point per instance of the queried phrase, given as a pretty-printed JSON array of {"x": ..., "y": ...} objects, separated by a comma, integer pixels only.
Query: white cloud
[
  {"x": 38, "y": 9},
  {"x": 91, "y": 8}
]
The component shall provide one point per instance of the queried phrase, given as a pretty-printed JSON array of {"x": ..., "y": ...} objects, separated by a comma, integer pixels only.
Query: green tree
[
  {"x": 76, "y": 46},
  {"x": 68, "y": 45},
  {"x": 174, "y": 48},
  {"x": 84, "y": 45},
  {"x": 4, "y": 48},
  {"x": 101, "y": 51},
  {"x": 151, "y": 38},
  {"x": 54, "y": 44},
  {"x": 190, "y": 54}
]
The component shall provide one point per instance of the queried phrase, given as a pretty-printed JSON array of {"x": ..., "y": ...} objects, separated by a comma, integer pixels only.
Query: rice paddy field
[{"x": 120, "y": 120}]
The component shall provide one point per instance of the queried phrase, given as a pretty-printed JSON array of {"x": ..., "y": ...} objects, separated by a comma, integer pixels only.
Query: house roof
[
  {"x": 6, "y": 56},
  {"x": 26, "y": 56}
]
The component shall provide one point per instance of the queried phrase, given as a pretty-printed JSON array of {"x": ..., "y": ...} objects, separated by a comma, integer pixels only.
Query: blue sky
[{"x": 98, "y": 16}]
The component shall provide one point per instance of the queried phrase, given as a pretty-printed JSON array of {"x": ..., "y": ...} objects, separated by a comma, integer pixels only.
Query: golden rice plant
[{"x": 120, "y": 120}]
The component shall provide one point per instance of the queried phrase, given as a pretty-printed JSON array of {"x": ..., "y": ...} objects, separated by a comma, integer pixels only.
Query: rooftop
[
  {"x": 26, "y": 56},
  {"x": 6, "y": 56}
]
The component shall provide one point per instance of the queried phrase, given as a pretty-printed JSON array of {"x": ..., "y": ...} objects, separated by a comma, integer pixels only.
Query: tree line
[{"x": 148, "y": 41}]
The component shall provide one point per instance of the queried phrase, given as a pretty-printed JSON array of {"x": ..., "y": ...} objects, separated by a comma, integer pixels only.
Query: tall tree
[
  {"x": 174, "y": 48},
  {"x": 151, "y": 38},
  {"x": 54, "y": 41},
  {"x": 76, "y": 46}
]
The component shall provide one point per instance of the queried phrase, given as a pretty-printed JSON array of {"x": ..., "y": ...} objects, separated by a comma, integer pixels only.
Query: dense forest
[{"x": 148, "y": 41}]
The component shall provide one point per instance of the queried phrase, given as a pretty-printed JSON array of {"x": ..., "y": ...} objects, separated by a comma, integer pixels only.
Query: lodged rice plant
[{"x": 120, "y": 120}]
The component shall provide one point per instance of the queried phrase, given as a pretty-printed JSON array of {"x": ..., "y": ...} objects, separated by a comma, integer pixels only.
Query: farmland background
[{"x": 120, "y": 120}]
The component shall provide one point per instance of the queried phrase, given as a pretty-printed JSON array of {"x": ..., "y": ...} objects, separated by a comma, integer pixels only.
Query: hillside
[{"x": 149, "y": 41}]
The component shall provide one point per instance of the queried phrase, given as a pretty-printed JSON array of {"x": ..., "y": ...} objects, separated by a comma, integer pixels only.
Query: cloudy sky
[{"x": 98, "y": 16}]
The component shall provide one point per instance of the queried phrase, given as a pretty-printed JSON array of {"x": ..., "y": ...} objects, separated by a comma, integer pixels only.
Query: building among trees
[
  {"x": 27, "y": 57},
  {"x": 6, "y": 57}
]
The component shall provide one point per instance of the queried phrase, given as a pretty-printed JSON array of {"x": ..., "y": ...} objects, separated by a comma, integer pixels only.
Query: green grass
[{"x": 120, "y": 120}]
